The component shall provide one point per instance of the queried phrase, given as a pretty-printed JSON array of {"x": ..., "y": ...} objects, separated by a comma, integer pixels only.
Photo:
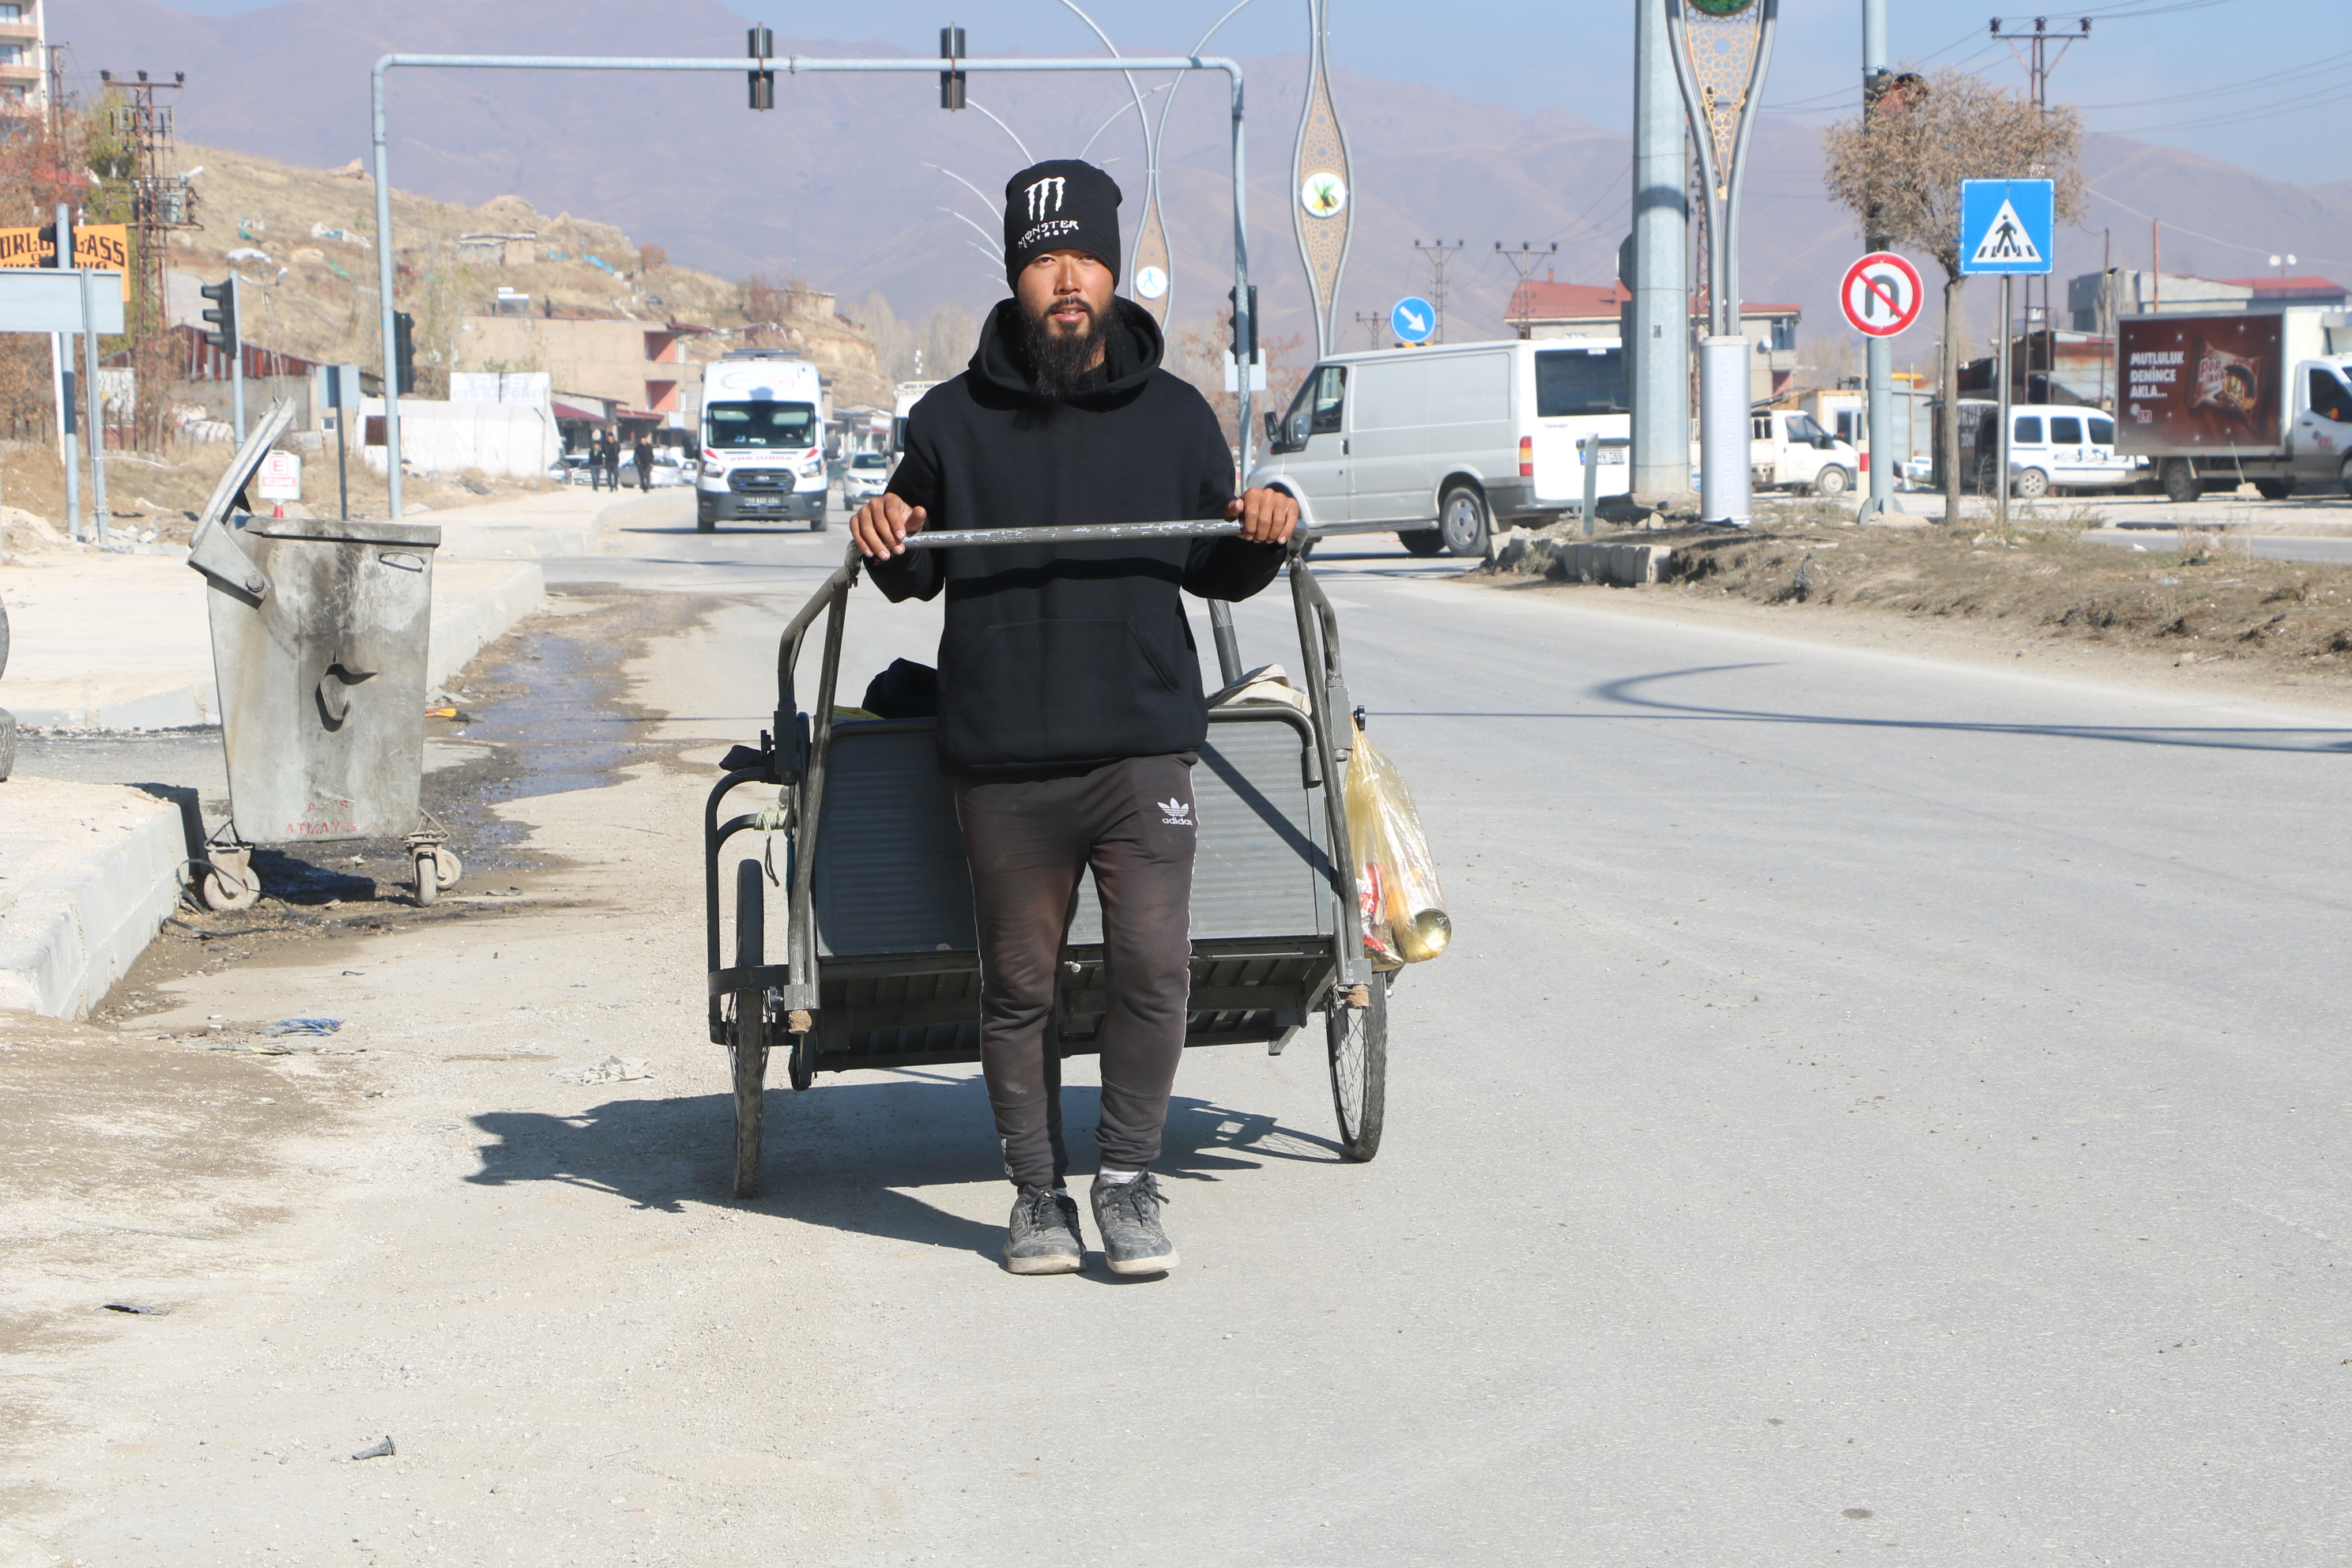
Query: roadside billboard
[
  {"x": 2190, "y": 382},
  {"x": 102, "y": 246}
]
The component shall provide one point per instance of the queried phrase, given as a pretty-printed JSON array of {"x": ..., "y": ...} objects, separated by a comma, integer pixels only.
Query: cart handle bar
[{"x": 1075, "y": 533}]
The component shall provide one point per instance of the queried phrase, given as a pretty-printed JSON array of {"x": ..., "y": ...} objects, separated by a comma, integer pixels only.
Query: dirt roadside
[
  {"x": 2208, "y": 620},
  {"x": 415, "y": 1227}
]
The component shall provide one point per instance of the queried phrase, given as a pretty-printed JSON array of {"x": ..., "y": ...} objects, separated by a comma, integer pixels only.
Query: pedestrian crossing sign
[{"x": 2005, "y": 225}]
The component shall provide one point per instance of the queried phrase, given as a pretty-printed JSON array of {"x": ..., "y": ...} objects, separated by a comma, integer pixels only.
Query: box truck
[
  {"x": 1440, "y": 446},
  {"x": 762, "y": 441},
  {"x": 2218, "y": 399}
]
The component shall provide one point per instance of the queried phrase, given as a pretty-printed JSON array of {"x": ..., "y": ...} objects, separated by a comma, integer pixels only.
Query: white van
[
  {"x": 2055, "y": 448},
  {"x": 762, "y": 441},
  {"x": 1787, "y": 450},
  {"x": 1444, "y": 444}
]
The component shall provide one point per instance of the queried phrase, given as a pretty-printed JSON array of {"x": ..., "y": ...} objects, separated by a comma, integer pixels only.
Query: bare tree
[{"x": 1898, "y": 167}]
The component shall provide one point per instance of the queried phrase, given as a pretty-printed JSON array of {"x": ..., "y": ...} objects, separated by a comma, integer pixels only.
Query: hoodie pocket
[{"x": 1064, "y": 690}]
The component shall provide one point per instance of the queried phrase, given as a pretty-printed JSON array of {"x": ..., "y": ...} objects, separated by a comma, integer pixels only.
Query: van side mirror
[{"x": 1272, "y": 429}]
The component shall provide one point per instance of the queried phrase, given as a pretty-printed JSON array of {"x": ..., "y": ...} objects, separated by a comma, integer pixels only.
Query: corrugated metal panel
[{"x": 890, "y": 875}]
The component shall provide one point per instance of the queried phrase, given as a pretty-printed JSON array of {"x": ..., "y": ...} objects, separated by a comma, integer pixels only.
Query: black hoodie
[{"x": 1059, "y": 658}]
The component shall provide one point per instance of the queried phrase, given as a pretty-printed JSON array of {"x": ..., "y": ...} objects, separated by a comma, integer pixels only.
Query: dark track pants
[{"x": 1028, "y": 843}]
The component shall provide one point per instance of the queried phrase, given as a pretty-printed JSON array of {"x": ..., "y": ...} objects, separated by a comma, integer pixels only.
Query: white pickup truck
[{"x": 1787, "y": 450}]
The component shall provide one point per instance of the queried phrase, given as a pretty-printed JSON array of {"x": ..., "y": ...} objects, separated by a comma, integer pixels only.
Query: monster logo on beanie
[{"x": 1060, "y": 204}]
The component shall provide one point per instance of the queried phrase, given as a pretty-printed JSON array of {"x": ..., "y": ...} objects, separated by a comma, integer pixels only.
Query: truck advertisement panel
[{"x": 2194, "y": 383}]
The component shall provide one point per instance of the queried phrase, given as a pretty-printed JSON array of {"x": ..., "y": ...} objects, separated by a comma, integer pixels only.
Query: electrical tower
[
  {"x": 1523, "y": 262},
  {"x": 2034, "y": 52},
  {"x": 160, "y": 203},
  {"x": 1438, "y": 253},
  {"x": 1375, "y": 328}
]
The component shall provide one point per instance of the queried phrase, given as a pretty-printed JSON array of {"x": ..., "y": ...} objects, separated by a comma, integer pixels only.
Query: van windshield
[
  {"x": 758, "y": 426},
  {"x": 1580, "y": 381}
]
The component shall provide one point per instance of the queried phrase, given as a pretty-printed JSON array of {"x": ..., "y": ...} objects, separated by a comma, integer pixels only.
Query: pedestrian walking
[
  {"x": 644, "y": 457},
  {"x": 596, "y": 460},
  {"x": 1070, "y": 709},
  {"x": 612, "y": 460}
]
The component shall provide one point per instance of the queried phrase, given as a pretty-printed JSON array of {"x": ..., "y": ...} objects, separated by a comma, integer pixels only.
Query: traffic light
[
  {"x": 403, "y": 353},
  {"x": 951, "y": 79},
  {"x": 1246, "y": 331},
  {"x": 760, "y": 43},
  {"x": 61, "y": 256},
  {"x": 223, "y": 333}
]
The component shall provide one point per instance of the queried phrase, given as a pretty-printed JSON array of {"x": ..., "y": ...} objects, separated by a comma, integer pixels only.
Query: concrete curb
[
  {"x": 1586, "y": 561},
  {"x": 69, "y": 935}
]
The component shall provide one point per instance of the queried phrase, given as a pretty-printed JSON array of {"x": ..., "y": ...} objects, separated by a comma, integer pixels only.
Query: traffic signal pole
[
  {"x": 61, "y": 350},
  {"x": 236, "y": 364},
  {"x": 793, "y": 65}
]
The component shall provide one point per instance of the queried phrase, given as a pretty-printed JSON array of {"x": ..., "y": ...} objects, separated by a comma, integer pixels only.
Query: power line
[{"x": 1437, "y": 253}]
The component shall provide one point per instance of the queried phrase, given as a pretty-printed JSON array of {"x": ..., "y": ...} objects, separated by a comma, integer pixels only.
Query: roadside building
[
  {"x": 24, "y": 62},
  {"x": 1544, "y": 308},
  {"x": 602, "y": 369}
]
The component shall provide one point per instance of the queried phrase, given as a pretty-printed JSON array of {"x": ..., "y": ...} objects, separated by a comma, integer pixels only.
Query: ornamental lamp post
[{"x": 1721, "y": 48}]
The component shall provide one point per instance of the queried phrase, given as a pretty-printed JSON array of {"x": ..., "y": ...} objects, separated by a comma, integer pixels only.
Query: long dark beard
[{"x": 1059, "y": 362}]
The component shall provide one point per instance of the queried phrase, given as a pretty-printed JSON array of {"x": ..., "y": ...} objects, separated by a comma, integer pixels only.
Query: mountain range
[{"x": 846, "y": 182}]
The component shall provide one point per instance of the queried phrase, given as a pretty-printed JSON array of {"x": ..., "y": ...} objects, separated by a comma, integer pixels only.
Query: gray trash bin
[{"x": 319, "y": 632}]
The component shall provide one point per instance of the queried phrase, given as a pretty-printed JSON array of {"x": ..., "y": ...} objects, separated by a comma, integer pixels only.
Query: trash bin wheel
[
  {"x": 749, "y": 1042},
  {"x": 228, "y": 890},
  {"x": 1358, "y": 1040},
  {"x": 428, "y": 877},
  {"x": 446, "y": 867}
]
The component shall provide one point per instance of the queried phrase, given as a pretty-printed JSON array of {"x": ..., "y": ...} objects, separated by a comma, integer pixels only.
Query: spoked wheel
[
  {"x": 748, "y": 1043},
  {"x": 1358, "y": 1039}
]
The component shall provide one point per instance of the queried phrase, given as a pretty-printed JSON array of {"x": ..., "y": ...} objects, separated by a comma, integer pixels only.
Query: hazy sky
[{"x": 2264, "y": 84}]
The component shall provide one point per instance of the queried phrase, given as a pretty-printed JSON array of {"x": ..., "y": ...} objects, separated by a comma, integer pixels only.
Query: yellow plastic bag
[{"x": 1402, "y": 908}]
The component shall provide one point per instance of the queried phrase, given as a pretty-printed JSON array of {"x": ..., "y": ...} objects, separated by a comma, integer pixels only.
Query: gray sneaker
[
  {"x": 1043, "y": 1235},
  {"x": 1128, "y": 1215}
]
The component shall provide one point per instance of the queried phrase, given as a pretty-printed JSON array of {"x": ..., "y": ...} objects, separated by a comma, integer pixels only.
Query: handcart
[{"x": 879, "y": 966}]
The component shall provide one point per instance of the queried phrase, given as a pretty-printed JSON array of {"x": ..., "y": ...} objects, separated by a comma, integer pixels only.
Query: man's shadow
[{"x": 846, "y": 1155}]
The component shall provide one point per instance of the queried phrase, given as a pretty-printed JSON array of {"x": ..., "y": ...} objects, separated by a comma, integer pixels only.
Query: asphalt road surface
[{"x": 1872, "y": 1109}]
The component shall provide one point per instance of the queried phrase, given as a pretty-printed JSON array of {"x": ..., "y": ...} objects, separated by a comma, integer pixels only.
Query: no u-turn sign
[{"x": 1881, "y": 294}]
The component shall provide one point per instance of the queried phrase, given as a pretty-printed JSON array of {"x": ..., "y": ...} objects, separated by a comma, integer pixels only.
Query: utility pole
[
  {"x": 1374, "y": 326},
  {"x": 1879, "y": 353},
  {"x": 1438, "y": 254},
  {"x": 2032, "y": 50},
  {"x": 159, "y": 204},
  {"x": 1523, "y": 262},
  {"x": 1657, "y": 359}
]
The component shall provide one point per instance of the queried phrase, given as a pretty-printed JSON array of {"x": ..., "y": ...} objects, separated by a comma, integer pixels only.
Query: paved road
[
  {"x": 1872, "y": 1108},
  {"x": 2269, "y": 546}
]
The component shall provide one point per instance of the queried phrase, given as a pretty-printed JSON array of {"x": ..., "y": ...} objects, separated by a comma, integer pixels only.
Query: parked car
[
  {"x": 2055, "y": 447},
  {"x": 669, "y": 469},
  {"x": 867, "y": 473},
  {"x": 572, "y": 469}
]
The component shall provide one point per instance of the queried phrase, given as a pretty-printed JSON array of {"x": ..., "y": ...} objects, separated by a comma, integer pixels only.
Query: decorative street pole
[
  {"x": 1324, "y": 207},
  {"x": 1721, "y": 48}
]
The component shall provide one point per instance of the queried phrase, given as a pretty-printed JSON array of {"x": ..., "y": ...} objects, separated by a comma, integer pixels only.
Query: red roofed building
[{"x": 1544, "y": 308}]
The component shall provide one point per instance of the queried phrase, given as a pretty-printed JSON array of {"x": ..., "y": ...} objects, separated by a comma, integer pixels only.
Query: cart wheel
[
  {"x": 751, "y": 1037},
  {"x": 801, "y": 1064},
  {"x": 225, "y": 891},
  {"x": 1359, "y": 1070},
  {"x": 447, "y": 868},
  {"x": 428, "y": 878}
]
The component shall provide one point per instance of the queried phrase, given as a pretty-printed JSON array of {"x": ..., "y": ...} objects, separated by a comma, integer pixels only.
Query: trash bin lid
[{"x": 418, "y": 535}]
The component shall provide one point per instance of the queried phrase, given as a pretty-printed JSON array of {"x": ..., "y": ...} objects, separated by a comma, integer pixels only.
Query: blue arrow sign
[
  {"x": 2006, "y": 225},
  {"x": 1412, "y": 319}
]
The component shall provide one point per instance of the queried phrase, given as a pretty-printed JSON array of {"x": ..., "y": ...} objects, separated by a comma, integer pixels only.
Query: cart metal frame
[{"x": 877, "y": 974}]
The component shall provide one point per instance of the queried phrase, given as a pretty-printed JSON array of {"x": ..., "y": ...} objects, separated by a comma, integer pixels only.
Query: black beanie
[{"x": 1060, "y": 204}]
